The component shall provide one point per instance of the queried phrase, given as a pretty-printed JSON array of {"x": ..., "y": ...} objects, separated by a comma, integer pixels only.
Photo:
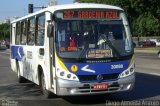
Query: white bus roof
[{"x": 69, "y": 6}]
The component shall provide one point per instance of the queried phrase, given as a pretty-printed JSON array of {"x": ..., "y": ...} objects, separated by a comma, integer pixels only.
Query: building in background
[
  {"x": 8, "y": 20},
  {"x": 5, "y": 21}
]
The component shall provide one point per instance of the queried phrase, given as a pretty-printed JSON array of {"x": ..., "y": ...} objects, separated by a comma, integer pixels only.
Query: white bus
[{"x": 76, "y": 49}]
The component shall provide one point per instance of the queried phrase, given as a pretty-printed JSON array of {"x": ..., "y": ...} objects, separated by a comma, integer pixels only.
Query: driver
[
  {"x": 88, "y": 34},
  {"x": 105, "y": 35}
]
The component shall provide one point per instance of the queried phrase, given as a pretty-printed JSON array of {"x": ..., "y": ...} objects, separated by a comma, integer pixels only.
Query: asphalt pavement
[{"x": 28, "y": 94}]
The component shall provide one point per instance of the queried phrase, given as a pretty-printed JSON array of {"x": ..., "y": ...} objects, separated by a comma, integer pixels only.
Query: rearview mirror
[
  {"x": 50, "y": 30},
  {"x": 48, "y": 16}
]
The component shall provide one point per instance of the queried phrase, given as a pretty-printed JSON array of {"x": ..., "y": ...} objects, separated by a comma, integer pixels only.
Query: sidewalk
[
  {"x": 3, "y": 48},
  {"x": 146, "y": 51},
  {"x": 5, "y": 51}
]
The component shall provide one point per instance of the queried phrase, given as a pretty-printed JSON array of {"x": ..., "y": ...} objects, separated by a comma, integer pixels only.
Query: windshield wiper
[
  {"x": 86, "y": 47},
  {"x": 108, "y": 42}
]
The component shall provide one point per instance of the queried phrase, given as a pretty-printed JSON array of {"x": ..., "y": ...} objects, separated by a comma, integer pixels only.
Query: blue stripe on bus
[
  {"x": 87, "y": 69},
  {"x": 17, "y": 52},
  {"x": 99, "y": 68}
]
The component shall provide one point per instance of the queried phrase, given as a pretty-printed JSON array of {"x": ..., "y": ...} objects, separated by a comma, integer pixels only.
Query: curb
[
  {"x": 146, "y": 51},
  {"x": 5, "y": 51}
]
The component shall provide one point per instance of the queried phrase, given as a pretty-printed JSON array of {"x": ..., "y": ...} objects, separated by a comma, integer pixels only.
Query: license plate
[{"x": 100, "y": 86}]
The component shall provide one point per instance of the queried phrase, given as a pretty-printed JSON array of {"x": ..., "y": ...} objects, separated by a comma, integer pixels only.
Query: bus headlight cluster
[
  {"x": 66, "y": 75},
  {"x": 127, "y": 72}
]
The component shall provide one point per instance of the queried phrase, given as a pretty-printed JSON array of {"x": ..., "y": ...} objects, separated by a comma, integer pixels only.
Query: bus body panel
[
  {"x": 29, "y": 59},
  {"x": 67, "y": 87},
  {"x": 99, "y": 68}
]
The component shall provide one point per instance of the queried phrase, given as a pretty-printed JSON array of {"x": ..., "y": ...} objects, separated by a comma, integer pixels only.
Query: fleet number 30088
[{"x": 118, "y": 66}]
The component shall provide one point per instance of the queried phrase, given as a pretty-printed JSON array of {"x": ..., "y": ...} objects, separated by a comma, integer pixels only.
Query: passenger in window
[
  {"x": 109, "y": 33},
  {"x": 88, "y": 32},
  {"x": 40, "y": 38},
  {"x": 105, "y": 35},
  {"x": 72, "y": 42},
  {"x": 31, "y": 39},
  {"x": 23, "y": 39}
]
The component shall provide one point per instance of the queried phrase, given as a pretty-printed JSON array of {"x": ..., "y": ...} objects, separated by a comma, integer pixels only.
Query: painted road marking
[{"x": 157, "y": 74}]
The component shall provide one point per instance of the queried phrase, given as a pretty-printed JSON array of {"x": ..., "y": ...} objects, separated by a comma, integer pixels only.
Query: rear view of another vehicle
[
  {"x": 152, "y": 44},
  {"x": 147, "y": 44},
  {"x": 157, "y": 41}
]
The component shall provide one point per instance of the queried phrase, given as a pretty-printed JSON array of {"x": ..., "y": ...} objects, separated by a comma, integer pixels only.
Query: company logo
[
  {"x": 99, "y": 77},
  {"x": 74, "y": 68}
]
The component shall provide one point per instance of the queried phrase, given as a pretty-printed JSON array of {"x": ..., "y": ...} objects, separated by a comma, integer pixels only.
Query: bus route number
[{"x": 68, "y": 14}]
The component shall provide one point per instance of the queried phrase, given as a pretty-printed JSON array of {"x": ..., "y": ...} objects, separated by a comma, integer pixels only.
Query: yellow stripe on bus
[
  {"x": 131, "y": 61},
  {"x": 61, "y": 64}
]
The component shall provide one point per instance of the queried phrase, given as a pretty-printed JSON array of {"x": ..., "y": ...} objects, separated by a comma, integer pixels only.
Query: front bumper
[{"x": 66, "y": 87}]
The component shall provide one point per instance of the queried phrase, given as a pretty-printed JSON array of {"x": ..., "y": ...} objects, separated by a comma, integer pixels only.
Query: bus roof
[
  {"x": 69, "y": 6},
  {"x": 86, "y": 5}
]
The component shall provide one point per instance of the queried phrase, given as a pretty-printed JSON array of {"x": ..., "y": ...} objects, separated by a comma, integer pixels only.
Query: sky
[{"x": 12, "y": 8}]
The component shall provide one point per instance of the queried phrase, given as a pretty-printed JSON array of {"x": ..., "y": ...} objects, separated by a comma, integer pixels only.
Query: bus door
[
  {"x": 50, "y": 52},
  {"x": 52, "y": 55}
]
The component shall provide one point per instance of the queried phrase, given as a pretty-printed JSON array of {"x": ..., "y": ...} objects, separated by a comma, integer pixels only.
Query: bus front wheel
[{"x": 46, "y": 93}]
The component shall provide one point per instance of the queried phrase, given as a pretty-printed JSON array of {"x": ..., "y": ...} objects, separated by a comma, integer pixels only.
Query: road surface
[{"x": 28, "y": 94}]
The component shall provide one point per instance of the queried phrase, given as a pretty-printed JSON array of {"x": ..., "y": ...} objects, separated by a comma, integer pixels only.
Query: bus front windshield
[{"x": 93, "y": 38}]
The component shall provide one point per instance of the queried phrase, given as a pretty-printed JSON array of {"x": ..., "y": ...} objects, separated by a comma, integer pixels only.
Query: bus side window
[
  {"x": 40, "y": 30},
  {"x": 18, "y": 33},
  {"x": 31, "y": 32},
  {"x": 23, "y": 34},
  {"x": 11, "y": 34}
]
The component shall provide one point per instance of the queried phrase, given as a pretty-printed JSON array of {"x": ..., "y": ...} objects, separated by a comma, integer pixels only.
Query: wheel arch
[
  {"x": 17, "y": 65},
  {"x": 39, "y": 73}
]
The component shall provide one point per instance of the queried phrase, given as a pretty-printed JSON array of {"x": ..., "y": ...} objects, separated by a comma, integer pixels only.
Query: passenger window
[
  {"x": 11, "y": 33},
  {"x": 31, "y": 31},
  {"x": 23, "y": 36},
  {"x": 40, "y": 30},
  {"x": 18, "y": 33}
]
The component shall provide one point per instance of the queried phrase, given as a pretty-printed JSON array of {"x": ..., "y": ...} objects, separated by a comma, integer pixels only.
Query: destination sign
[{"x": 91, "y": 14}]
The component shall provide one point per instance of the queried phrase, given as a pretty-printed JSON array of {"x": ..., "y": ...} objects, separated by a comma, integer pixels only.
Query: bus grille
[{"x": 94, "y": 77}]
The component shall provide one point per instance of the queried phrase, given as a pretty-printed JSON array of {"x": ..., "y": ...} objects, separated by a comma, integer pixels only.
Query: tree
[
  {"x": 147, "y": 25},
  {"x": 143, "y": 14},
  {"x": 4, "y": 31}
]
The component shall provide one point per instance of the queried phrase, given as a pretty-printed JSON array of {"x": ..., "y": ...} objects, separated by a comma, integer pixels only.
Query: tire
[
  {"x": 46, "y": 93},
  {"x": 19, "y": 77}
]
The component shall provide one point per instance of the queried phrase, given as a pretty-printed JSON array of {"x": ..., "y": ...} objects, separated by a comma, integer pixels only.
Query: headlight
[
  {"x": 66, "y": 75},
  {"x": 127, "y": 72}
]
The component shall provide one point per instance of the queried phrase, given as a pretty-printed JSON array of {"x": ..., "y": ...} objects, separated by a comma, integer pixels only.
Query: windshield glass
[{"x": 93, "y": 38}]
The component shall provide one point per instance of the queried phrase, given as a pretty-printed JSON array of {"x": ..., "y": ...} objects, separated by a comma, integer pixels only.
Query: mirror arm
[{"x": 50, "y": 30}]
